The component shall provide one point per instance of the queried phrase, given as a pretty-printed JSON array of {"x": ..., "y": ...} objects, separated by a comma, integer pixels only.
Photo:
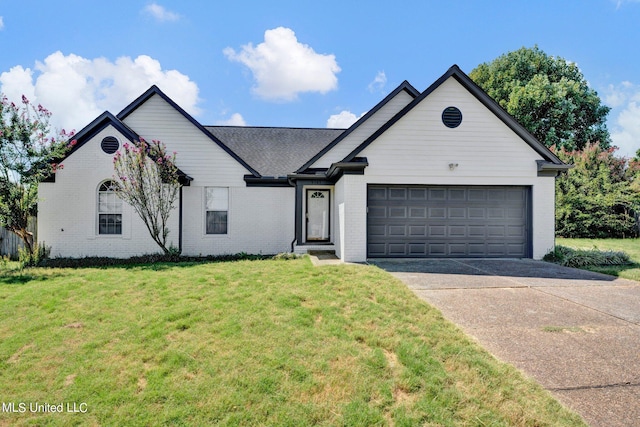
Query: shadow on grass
[
  {"x": 21, "y": 277},
  {"x": 147, "y": 262},
  {"x": 615, "y": 270}
]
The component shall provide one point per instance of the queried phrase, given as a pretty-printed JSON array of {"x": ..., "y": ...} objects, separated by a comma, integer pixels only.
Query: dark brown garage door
[{"x": 448, "y": 221}]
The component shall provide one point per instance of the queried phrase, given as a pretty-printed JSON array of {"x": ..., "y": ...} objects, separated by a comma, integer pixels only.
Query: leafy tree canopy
[
  {"x": 548, "y": 95},
  {"x": 27, "y": 156},
  {"x": 599, "y": 197}
]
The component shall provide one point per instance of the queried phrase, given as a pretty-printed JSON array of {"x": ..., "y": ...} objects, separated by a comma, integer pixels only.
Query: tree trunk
[{"x": 27, "y": 238}]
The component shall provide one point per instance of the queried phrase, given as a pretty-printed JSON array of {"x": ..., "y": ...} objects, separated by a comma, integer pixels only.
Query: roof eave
[
  {"x": 154, "y": 90},
  {"x": 404, "y": 86},
  {"x": 455, "y": 72},
  {"x": 92, "y": 129},
  {"x": 546, "y": 168}
]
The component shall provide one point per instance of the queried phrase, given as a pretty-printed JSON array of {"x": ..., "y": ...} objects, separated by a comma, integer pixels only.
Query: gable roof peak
[
  {"x": 475, "y": 90},
  {"x": 155, "y": 90}
]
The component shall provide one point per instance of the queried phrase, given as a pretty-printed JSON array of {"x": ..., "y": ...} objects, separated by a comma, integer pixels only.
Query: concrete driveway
[{"x": 575, "y": 332}]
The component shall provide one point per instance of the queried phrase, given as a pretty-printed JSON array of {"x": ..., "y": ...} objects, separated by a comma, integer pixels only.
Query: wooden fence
[{"x": 10, "y": 243}]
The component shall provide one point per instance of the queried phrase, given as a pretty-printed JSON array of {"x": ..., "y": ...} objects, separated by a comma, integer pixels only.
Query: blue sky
[{"x": 299, "y": 63}]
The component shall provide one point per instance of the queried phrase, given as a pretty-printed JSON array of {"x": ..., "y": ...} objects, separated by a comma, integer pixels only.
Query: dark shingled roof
[{"x": 274, "y": 152}]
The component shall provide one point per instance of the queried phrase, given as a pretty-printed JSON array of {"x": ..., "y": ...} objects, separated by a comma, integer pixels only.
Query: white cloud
[
  {"x": 283, "y": 67},
  {"x": 236, "y": 119},
  {"x": 617, "y": 95},
  {"x": 76, "y": 90},
  {"x": 626, "y": 134},
  {"x": 159, "y": 13},
  {"x": 378, "y": 83},
  {"x": 624, "y": 117},
  {"x": 619, "y": 3},
  {"x": 343, "y": 120},
  {"x": 1, "y": 23}
]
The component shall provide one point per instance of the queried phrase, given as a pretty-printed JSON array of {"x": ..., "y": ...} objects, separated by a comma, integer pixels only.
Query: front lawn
[
  {"x": 245, "y": 343},
  {"x": 630, "y": 246}
]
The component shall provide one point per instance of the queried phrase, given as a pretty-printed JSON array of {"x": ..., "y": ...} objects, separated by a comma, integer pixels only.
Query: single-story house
[{"x": 440, "y": 173}]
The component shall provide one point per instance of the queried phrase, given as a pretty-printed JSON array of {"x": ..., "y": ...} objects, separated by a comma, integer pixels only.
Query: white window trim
[
  {"x": 98, "y": 213},
  {"x": 204, "y": 211}
]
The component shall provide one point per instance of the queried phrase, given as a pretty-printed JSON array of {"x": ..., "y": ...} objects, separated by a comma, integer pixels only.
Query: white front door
[{"x": 318, "y": 215}]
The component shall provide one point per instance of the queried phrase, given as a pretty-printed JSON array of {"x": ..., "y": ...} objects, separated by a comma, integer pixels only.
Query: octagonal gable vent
[
  {"x": 110, "y": 144},
  {"x": 451, "y": 117}
]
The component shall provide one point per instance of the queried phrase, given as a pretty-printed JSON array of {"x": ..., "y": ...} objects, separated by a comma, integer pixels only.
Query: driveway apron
[{"x": 577, "y": 333}]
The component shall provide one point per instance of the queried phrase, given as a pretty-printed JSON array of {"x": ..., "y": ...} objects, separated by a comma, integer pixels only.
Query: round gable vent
[
  {"x": 110, "y": 144},
  {"x": 451, "y": 117}
]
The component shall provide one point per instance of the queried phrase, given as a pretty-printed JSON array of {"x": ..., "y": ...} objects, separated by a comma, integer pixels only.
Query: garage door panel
[
  {"x": 437, "y": 194},
  {"x": 456, "y": 231},
  {"x": 515, "y": 231},
  {"x": 441, "y": 221},
  {"x": 418, "y": 231},
  {"x": 418, "y": 249},
  {"x": 477, "y": 213},
  {"x": 436, "y": 249},
  {"x": 397, "y": 230},
  {"x": 378, "y": 230},
  {"x": 437, "y": 213},
  {"x": 495, "y": 213},
  {"x": 457, "y": 213},
  {"x": 417, "y": 194},
  {"x": 477, "y": 195},
  {"x": 515, "y": 213},
  {"x": 419, "y": 212},
  {"x": 377, "y": 212},
  {"x": 397, "y": 249},
  {"x": 376, "y": 249},
  {"x": 398, "y": 194},
  {"x": 496, "y": 195},
  {"x": 377, "y": 193},
  {"x": 457, "y": 194},
  {"x": 477, "y": 231},
  {"x": 437, "y": 231}
]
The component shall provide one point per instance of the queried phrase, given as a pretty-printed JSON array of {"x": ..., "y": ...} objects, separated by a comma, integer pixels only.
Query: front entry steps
[
  {"x": 319, "y": 254},
  {"x": 306, "y": 249}
]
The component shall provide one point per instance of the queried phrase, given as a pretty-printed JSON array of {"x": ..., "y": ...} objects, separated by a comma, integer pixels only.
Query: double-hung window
[
  {"x": 217, "y": 209},
  {"x": 109, "y": 209}
]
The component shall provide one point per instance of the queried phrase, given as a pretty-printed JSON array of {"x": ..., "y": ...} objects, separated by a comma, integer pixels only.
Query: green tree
[
  {"x": 596, "y": 199},
  {"x": 147, "y": 179},
  {"x": 548, "y": 95},
  {"x": 27, "y": 156}
]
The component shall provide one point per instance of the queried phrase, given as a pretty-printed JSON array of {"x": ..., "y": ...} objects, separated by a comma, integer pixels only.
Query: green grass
[
  {"x": 268, "y": 343},
  {"x": 630, "y": 246}
]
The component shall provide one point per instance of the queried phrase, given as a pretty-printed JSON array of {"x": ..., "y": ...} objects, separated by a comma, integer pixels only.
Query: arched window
[{"x": 109, "y": 209}]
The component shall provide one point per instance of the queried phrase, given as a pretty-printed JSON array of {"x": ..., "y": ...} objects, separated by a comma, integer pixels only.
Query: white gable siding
[
  {"x": 418, "y": 149},
  {"x": 197, "y": 155},
  {"x": 420, "y": 146},
  {"x": 67, "y": 209},
  {"x": 366, "y": 129},
  {"x": 260, "y": 220}
]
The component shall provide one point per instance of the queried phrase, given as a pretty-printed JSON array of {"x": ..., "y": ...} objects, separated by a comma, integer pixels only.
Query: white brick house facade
[{"x": 287, "y": 188}]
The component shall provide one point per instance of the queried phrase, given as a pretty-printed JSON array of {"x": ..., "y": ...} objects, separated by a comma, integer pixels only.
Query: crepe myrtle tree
[
  {"x": 147, "y": 179},
  {"x": 28, "y": 154}
]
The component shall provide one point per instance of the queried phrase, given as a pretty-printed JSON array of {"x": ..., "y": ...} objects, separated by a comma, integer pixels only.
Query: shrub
[
  {"x": 586, "y": 257},
  {"x": 145, "y": 259},
  {"x": 32, "y": 259},
  {"x": 287, "y": 256}
]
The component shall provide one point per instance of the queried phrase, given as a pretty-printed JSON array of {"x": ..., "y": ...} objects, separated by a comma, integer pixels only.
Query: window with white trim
[
  {"x": 109, "y": 209},
  {"x": 217, "y": 209}
]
